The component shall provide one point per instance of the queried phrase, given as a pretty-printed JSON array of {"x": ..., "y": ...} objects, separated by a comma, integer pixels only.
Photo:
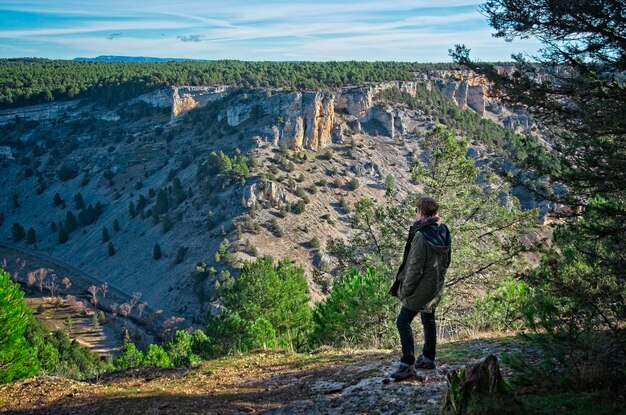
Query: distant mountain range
[{"x": 134, "y": 59}]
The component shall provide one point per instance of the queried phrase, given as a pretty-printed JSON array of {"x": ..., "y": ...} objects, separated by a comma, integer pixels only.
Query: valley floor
[{"x": 325, "y": 382}]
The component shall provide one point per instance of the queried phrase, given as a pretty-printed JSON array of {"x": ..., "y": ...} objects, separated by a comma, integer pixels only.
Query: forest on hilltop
[{"x": 38, "y": 81}]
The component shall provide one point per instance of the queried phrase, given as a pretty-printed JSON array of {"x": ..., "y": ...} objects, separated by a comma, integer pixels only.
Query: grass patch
[{"x": 573, "y": 404}]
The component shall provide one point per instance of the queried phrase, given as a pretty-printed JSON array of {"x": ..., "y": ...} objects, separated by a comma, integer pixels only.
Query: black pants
[{"x": 406, "y": 335}]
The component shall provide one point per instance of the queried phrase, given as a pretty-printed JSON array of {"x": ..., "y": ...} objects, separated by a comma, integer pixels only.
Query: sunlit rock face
[{"x": 185, "y": 98}]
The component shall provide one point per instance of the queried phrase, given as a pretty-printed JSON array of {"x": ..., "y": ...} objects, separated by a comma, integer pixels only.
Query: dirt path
[{"x": 331, "y": 382}]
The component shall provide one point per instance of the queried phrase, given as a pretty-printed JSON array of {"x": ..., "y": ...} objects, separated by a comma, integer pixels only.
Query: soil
[{"x": 322, "y": 382}]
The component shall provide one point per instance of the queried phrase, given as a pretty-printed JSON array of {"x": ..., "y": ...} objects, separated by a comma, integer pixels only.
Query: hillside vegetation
[
  {"x": 38, "y": 81},
  {"x": 264, "y": 220}
]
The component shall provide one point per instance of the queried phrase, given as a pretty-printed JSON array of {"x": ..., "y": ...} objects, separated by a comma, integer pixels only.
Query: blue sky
[{"x": 250, "y": 30}]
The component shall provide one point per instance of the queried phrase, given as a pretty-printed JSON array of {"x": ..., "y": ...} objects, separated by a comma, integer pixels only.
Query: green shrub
[
  {"x": 156, "y": 252},
  {"x": 129, "y": 358},
  {"x": 266, "y": 302},
  {"x": 354, "y": 184},
  {"x": 180, "y": 254},
  {"x": 262, "y": 334},
  {"x": 156, "y": 356},
  {"x": 504, "y": 309},
  {"x": 58, "y": 355},
  {"x": 67, "y": 172},
  {"x": 31, "y": 236},
  {"x": 18, "y": 359},
  {"x": 179, "y": 349},
  {"x": 359, "y": 312},
  {"x": 111, "y": 249},
  {"x": 17, "y": 232}
]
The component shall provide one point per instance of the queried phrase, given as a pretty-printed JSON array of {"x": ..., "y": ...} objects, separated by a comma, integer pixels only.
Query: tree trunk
[{"x": 478, "y": 388}]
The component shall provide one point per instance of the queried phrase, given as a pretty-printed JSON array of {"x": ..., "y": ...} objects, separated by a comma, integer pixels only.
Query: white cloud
[{"x": 273, "y": 29}]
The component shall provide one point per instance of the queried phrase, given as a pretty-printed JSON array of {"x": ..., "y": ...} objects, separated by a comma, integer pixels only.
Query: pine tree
[
  {"x": 156, "y": 252},
  {"x": 131, "y": 209},
  {"x": 105, "y": 235},
  {"x": 31, "y": 237},
  {"x": 574, "y": 91},
  {"x": 57, "y": 199},
  {"x": 111, "y": 249},
  {"x": 180, "y": 254},
  {"x": 484, "y": 218},
  {"x": 63, "y": 235},
  {"x": 79, "y": 202},
  {"x": 116, "y": 225},
  {"x": 71, "y": 223},
  {"x": 17, "y": 232},
  {"x": 17, "y": 358}
]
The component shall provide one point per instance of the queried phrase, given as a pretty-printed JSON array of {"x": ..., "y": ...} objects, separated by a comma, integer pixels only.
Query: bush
[
  {"x": 129, "y": 358},
  {"x": 105, "y": 235},
  {"x": 58, "y": 355},
  {"x": 276, "y": 229},
  {"x": 156, "y": 252},
  {"x": 31, "y": 236},
  {"x": 298, "y": 207},
  {"x": 18, "y": 359},
  {"x": 156, "y": 356},
  {"x": 502, "y": 310},
  {"x": 315, "y": 242},
  {"x": 67, "y": 172},
  {"x": 111, "y": 249},
  {"x": 17, "y": 232},
  {"x": 64, "y": 236},
  {"x": 266, "y": 302},
  {"x": 180, "y": 254},
  {"x": 354, "y": 184},
  {"x": 359, "y": 312},
  {"x": 179, "y": 349},
  {"x": 166, "y": 223}
]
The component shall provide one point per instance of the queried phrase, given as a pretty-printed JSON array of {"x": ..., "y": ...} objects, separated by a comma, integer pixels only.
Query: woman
[{"x": 419, "y": 285}]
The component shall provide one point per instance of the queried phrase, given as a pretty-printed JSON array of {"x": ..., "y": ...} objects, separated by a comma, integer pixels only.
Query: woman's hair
[{"x": 428, "y": 206}]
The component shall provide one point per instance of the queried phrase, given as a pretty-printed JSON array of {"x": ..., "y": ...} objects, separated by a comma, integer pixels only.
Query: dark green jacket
[{"x": 426, "y": 260}]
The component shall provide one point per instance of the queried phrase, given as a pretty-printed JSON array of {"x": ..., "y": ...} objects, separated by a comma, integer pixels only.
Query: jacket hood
[{"x": 437, "y": 235}]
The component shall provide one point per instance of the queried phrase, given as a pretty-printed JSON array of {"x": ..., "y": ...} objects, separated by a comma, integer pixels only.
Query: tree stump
[{"x": 478, "y": 389}]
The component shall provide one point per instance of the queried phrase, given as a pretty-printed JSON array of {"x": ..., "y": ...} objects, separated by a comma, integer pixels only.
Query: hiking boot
[
  {"x": 404, "y": 371},
  {"x": 424, "y": 363}
]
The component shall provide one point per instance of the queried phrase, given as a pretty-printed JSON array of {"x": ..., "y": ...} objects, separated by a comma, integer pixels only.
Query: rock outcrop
[
  {"x": 43, "y": 112},
  {"x": 265, "y": 192},
  {"x": 185, "y": 98}
]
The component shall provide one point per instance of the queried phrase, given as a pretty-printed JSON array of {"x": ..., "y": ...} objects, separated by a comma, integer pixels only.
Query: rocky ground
[{"x": 325, "y": 382}]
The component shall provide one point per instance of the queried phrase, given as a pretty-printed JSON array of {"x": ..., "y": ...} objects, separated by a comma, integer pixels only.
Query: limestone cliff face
[
  {"x": 185, "y": 98},
  {"x": 318, "y": 120},
  {"x": 43, "y": 112},
  {"x": 465, "y": 88}
]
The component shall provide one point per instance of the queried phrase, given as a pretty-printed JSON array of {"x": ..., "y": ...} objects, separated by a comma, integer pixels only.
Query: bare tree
[
  {"x": 70, "y": 300},
  {"x": 135, "y": 299},
  {"x": 124, "y": 310},
  {"x": 140, "y": 308},
  {"x": 170, "y": 325},
  {"x": 4, "y": 263},
  {"x": 93, "y": 291},
  {"x": 30, "y": 279},
  {"x": 40, "y": 276},
  {"x": 114, "y": 309},
  {"x": 154, "y": 316},
  {"x": 104, "y": 288},
  {"x": 67, "y": 283},
  {"x": 51, "y": 285}
]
